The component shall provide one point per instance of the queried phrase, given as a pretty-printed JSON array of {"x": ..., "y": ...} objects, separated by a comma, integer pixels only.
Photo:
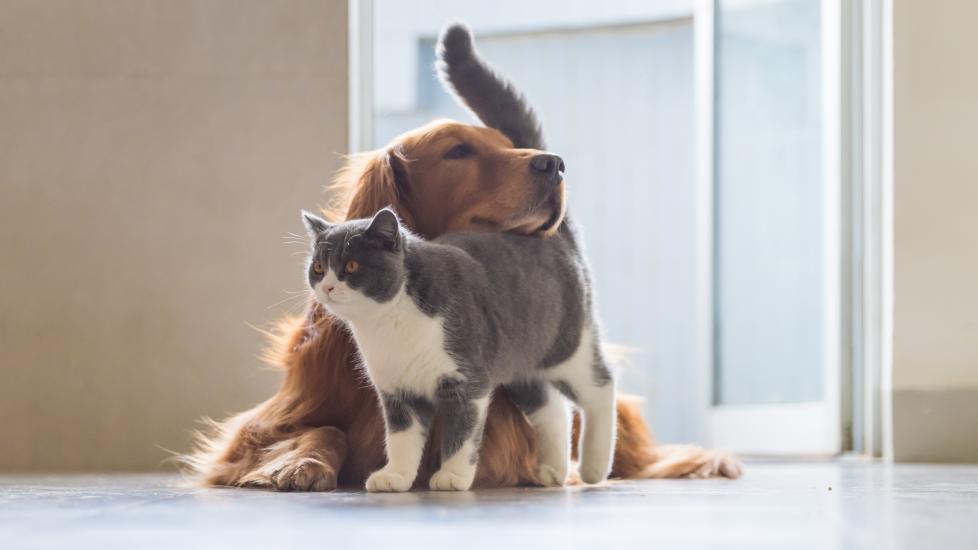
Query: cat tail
[{"x": 489, "y": 95}]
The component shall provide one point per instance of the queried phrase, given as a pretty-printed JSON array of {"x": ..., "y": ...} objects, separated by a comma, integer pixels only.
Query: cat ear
[
  {"x": 385, "y": 228},
  {"x": 315, "y": 225}
]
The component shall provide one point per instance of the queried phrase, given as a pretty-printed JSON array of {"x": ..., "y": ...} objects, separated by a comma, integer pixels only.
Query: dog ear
[{"x": 378, "y": 179}]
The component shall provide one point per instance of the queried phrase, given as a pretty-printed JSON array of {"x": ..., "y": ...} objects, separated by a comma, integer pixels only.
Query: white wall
[
  {"x": 152, "y": 155},
  {"x": 935, "y": 361}
]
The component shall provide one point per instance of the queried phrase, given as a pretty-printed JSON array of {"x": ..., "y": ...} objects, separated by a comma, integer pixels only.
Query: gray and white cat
[{"x": 440, "y": 324}]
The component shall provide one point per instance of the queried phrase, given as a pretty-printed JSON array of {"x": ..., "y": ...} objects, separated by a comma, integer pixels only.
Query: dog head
[{"x": 447, "y": 176}]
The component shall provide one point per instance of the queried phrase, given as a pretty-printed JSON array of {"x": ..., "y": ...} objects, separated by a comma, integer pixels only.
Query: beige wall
[
  {"x": 935, "y": 370},
  {"x": 152, "y": 156}
]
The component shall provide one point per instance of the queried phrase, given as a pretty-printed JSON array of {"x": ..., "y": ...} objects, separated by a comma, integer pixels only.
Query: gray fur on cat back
[
  {"x": 495, "y": 100},
  {"x": 509, "y": 302}
]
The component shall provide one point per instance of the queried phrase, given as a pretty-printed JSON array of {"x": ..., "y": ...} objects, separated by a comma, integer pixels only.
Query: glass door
[{"x": 775, "y": 227}]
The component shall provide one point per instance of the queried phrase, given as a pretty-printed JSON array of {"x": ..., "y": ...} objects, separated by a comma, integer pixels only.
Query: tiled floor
[{"x": 776, "y": 505}]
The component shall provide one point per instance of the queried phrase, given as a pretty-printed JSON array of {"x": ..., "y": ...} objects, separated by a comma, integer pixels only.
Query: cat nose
[{"x": 328, "y": 288}]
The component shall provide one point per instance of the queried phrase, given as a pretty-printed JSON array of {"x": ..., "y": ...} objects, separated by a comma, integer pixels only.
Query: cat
[{"x": 440, "y": 324}]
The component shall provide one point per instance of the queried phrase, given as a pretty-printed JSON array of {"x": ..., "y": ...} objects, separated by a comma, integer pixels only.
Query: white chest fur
[{"x": 402, "y": 348}]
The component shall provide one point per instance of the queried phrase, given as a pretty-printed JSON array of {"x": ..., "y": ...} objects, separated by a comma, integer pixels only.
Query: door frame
[
  {"x": 812, "y": 428},
  {"x": 868, "y": 175}
]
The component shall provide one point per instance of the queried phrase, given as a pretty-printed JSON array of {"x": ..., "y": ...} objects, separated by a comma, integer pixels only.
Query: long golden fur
[{"x": 323, "y": 428}]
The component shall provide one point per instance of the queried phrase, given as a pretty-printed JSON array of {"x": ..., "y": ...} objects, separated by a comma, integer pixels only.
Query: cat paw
[
  {"x": 388, "y": 481},
  {"x": 307, "y": 474},
  {"x": 592, "y": 473},
  {"x": 443, "y": 480},
  {"x": 548, "y": 476}
]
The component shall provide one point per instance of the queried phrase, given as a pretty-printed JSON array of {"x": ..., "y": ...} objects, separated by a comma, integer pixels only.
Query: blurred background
[
  {"x": 614, "y": 86},
  {"x": 777, "y": 200}
]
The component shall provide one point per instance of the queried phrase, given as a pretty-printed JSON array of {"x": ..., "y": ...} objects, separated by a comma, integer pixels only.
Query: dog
[{"x": 324, "y": 427}]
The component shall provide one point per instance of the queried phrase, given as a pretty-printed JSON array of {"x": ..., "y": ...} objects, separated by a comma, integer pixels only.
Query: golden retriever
[{"x": 324, "y": 426}]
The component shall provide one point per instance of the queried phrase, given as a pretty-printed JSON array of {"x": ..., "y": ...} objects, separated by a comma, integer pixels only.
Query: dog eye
[
  {"x": 317, "y": 268},
  {"x": 352, "y": 266},
  {"x": 459, "y": 151}
]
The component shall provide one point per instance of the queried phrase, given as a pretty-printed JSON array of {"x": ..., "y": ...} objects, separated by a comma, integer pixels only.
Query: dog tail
[
  {"x": 493, "y": 98},
  {"x": 639, "y": 456}
]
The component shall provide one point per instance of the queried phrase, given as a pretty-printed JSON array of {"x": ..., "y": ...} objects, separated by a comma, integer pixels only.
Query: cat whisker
[
  {"x": 298, "y": 294},
  {"x": 295, "y": 307},
  {"x": 293, "y": 238}
]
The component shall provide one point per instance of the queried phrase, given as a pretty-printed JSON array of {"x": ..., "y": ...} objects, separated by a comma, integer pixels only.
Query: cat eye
[
  {"x": 459, "y": 151},
  {"x": 352, "y": 266},
  {"x": 317, "y": 268}
]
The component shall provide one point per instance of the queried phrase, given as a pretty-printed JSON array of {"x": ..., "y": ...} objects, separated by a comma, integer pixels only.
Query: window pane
[
  {"x": 769, "y": 209},
  {"x": 613, "y": 84}
]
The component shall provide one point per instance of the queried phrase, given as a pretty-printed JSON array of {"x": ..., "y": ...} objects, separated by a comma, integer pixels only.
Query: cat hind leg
[
  {"x": 548, "y": 413},
  {"x": 598, "y": 438},
  {"x": 586, "y": 380}
]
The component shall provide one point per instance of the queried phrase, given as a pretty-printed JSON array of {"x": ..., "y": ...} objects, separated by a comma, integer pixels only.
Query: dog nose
[{"x": 548, "y": 165}]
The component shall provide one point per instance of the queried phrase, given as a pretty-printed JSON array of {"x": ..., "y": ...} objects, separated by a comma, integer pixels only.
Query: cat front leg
[
  {"x": 596, "y": 397},
  {"x": 598, "y": 439},
  {"x": 407, "y": 419},
  {"x": 464, "y": 416}
]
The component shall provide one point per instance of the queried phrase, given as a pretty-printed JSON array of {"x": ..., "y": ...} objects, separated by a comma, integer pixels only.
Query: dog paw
[
  {"x": 256, "y": 482},
  {"x": 574, "y": 478},
  {"x": 730, "y": 466},
  {"x": 444, "y": 480},
  {"x": 388, "y": 481},
  {"x": 718, "y": 464},
  {"x": 726, "y": 465},
  {"x": 307, "y": 474},
  {"x": 549, "y": 476}
]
